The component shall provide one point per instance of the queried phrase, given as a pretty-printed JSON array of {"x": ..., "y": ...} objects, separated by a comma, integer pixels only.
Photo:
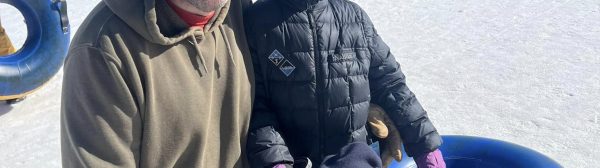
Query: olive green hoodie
[{"x": 141, "y": 89}]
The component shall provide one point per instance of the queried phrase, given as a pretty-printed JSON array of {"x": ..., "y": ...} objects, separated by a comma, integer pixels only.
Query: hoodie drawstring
[
  {"x": 227, "y": 44},
  {"x": 200, "y": 58}
]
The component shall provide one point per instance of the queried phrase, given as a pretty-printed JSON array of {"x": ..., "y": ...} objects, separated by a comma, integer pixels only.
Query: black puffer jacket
[{"x": 318, "y": 64}]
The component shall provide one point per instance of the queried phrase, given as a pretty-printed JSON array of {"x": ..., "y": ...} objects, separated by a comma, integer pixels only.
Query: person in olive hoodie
[{"x": 145, "y": 88}]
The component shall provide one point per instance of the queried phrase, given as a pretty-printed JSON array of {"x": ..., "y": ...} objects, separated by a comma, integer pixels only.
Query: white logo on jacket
[{"x": 283, "y": 64}]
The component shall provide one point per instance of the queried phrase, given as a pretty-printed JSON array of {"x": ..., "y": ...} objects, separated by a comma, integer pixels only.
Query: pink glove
[
  {"x": 431, "y": 160},
  {"x": 282, "y": 166}
]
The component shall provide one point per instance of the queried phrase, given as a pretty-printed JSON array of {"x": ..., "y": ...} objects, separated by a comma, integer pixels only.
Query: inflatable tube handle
[{"x": 61, "y": 6}]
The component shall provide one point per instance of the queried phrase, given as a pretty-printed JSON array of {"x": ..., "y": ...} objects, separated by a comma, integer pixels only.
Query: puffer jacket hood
[
  {"x": 145, "y": 21},
  {"x": 303, "y": 4}
]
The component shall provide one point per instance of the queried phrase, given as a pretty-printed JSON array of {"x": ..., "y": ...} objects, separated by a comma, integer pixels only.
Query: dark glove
[{"x": 355, "y": 154}]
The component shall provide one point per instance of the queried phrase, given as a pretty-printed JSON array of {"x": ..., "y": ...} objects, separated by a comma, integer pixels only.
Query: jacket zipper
[{"x": 317, "y": 62}]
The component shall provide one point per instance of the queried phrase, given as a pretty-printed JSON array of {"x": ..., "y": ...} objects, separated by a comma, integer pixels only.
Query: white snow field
[{"x": 524, "y": 71}]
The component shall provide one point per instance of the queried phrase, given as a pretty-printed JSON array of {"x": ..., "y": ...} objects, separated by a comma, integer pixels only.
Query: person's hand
[
  {"x": 389, "y": 137},
  {"x": 431, "y": 160}
]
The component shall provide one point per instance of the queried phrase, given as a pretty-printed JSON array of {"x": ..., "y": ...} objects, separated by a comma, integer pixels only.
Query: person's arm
[
  {"x": 389, "y": 90},
  {"x": 265, "y": 145},
  {"x": 100, "y": 121}
]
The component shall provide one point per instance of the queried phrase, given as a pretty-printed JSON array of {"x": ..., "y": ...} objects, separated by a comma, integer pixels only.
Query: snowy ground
[
  {"x": 29, "y": 130},
  {"x": 524, "y": 71}
]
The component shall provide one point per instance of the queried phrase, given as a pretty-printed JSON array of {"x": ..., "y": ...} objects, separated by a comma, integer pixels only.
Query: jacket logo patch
[
  {"x": 287, "y": 68},
  {"x": 276, "y": 57},
  {"x": 350, "y": 56}
]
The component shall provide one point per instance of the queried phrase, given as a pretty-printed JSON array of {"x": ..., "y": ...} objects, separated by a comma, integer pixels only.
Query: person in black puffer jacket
[{"x": 318, "y": 65}]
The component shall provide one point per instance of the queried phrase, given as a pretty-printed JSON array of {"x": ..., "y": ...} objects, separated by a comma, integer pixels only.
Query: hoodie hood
[
  {"x": 158, "y": 23},
  {"x": 302, "y": 4}
]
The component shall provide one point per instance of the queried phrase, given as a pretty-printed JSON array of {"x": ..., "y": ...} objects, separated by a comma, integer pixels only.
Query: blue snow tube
[
  {"x": 44, "y": 50},
  {"x": 477, "y": 152}
]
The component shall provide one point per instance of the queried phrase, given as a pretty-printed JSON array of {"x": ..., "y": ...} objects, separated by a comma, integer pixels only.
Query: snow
[
  {"x": 30, "y": 130},
  {"x": 523, "y": 71}
]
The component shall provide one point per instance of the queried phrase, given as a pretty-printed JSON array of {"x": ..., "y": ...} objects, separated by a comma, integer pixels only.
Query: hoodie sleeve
[
  {"x": 265, "y": 146},
  {"x": 389, "y": 90},
  {"x": 100, "y": 122}
]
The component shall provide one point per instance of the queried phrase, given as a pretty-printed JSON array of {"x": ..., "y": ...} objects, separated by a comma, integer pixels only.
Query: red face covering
[{"x": 193, "y": 20}]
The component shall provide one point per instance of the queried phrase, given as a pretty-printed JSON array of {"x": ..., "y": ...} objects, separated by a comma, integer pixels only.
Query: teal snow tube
[{"x": 44, "y": 50}]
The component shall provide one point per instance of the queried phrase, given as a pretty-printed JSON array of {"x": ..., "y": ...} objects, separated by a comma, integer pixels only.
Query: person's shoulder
[
  {"x": 350, "y": 11},
  {"x": 262, "y": 4},
  {"x": 98, "y": 35},
  {"x": 263, "y": 14},
  {"x": 262, "y": 10},
  {"x": 100, "y": 25},
  {"x": 346, "y": 4}
]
